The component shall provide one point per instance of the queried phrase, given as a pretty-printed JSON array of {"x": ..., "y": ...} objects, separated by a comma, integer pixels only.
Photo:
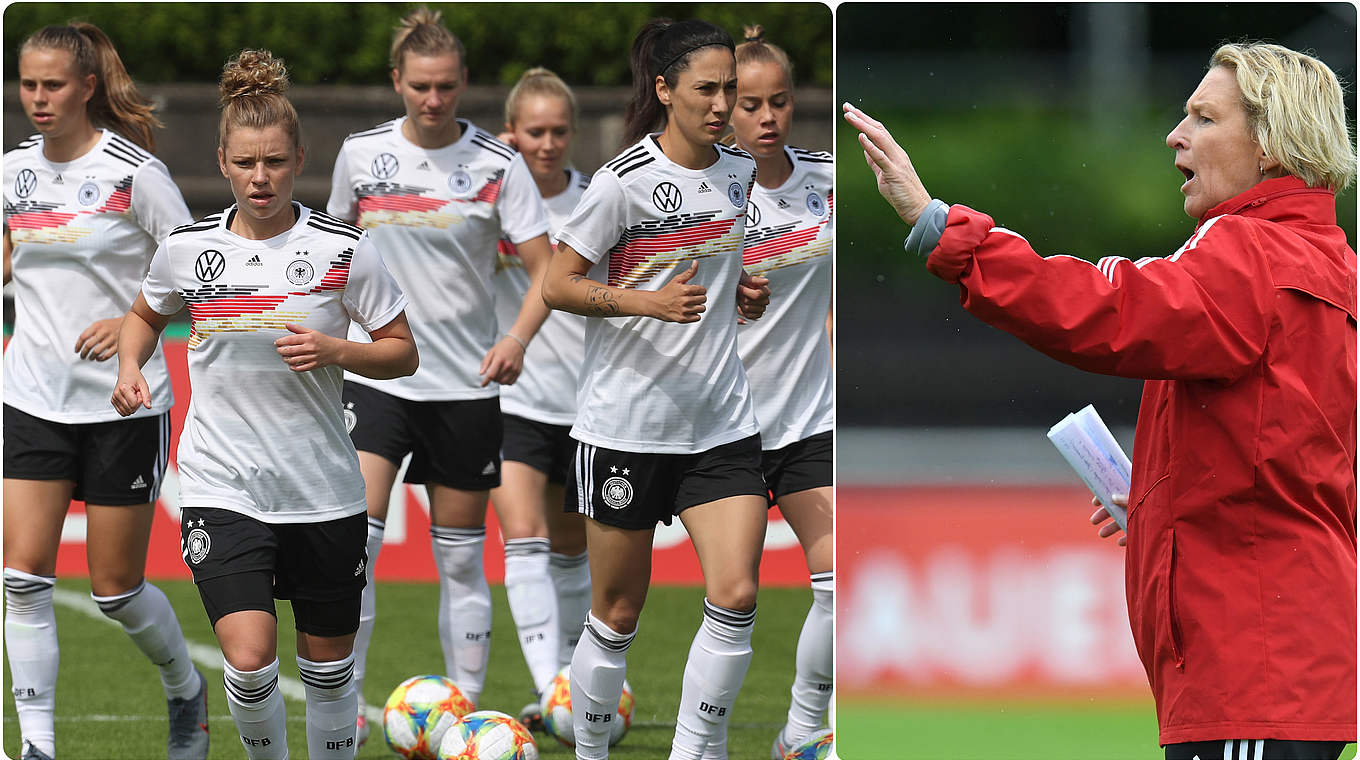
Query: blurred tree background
[
  {"x": 347, "y": 43},
  {"x": 1052, "y": 118}
]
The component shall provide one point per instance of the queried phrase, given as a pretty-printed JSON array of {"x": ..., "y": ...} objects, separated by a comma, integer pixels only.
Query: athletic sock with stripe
[
  {"x": 598, "y": 668},
  {"x": 464, "y": 606},
  {"x": 529, "y": 590},
  {"x": 571, "y": 581},
  {"x": 31, "y": 645},
  {"x": 368, "y": 605},
  {"x": 257, "y": 709},
  {"x": 332, "y": 707},
  {"x": 149, "y": 620},
  {"x": 716, "y": 668}
]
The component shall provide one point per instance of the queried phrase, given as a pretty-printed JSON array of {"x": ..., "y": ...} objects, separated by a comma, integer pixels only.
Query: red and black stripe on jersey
[
  {"x": 762, "y": 244},
  {"x": 35, "y": 215},
  {"x": 394, "y": 196},
  {"x": 656, "y": 244},
  {"x": 120, "y": 199}
]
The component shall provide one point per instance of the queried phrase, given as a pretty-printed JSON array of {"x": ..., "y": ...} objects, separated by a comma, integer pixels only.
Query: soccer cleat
[
  {"x": 778, "y": 751},
  {"x": 33, "y": 753},
  {"x": 189, "y": 725},
  {"x": 531, "y": 716},
  {"x": 361, "y": 728}
]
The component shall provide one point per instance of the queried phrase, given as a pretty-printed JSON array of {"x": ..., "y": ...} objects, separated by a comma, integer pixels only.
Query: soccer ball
[
  {"x": 556, "y": 707},
  {"x": 815, "y": 747},
  {"x": 419, "y": 712},
  {"x": 487, "y": 735}
]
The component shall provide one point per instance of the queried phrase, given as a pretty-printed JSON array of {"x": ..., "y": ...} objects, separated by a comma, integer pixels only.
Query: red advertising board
[
  {"x": 406, "y": 545},
  {"x": 978, "y": 590}
]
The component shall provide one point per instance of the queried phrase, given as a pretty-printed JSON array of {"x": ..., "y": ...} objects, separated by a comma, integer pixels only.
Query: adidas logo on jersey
[
  {"x": 58, "y": 180},
  {"x": 138, "y": 483},
  {"x": 782, "y": 203},
  {"x": 424, "y": 166},
  {"x": 704, "y": 188},
  {"x": 489, "y": 469},
  {"x": 255, "y": 261}
]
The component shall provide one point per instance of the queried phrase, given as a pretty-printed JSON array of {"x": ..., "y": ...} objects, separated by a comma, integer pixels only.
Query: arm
[
  {"x": 567, "y": 287},
  {"x": 137, "y": 339},
  {"x": 391, "y": 354},
  {"x": 503, "y": 363}
]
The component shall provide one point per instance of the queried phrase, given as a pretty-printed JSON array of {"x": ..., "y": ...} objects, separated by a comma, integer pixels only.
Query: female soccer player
[
  {"x": 85, "y": 204},
  {"x": 273, "y": 498},
  {"x": 540, "y": 121},
  {"x": 666, "y": 424},
  {"x": 787, "y": 354},
  {"x": 438, "y": 193}
]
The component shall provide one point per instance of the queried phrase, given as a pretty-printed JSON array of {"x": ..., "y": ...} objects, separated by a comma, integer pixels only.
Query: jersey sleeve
[
  {"x": 159, "y": 287},
  {"x": 342, "y": 204},
  {"x": 1202, "y": 313},
  {"x": 157, "y": 202},
  {"x": 521, "y": 207},
  {"x": 372, "y": 296},
  {"x": 599, "y": 219}
]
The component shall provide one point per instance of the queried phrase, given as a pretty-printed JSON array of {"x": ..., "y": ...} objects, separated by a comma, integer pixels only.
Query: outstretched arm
[{"x": 897, "y": 180}]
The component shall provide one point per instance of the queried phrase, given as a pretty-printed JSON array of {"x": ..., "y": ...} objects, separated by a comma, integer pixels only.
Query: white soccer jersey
[
  {"x": 83, "y": 234},
  {"x": 649, "y": 385},
  {"x": 789, "y": 235},
  {"x": 259, "y": 438},
  {"x": 546, "y": 388},
  {"x": 436, "y": 215}
]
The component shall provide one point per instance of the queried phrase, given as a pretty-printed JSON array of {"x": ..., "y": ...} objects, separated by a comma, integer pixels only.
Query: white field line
[{"x": 203, "y": 654}]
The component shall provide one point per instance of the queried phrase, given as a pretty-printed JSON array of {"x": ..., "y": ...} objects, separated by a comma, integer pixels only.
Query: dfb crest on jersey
[
  {"x": 666, "y": 196},
  {"x": 197, "y": 545},
  {"x": 460, "y": 182},
  {"x": 815, "y": 203},
  {"x": 752, "y": 214},
  {"x": 210, "y": 265},
  {"x": 737, "y": 194},
  {"x": 617, "y": 492},
  {"x": 25, "y": 183},
  {"x": 88, "y": 194},
  {"x": 384, "y": 166},
  {"x": 300, "y": 272}
]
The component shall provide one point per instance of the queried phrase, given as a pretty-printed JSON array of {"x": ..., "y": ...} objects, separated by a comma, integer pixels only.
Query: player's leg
[
  {"x": 569, "y": 566},
  {"x": 41, "y": 465},
  {"x": 123, "y": 465},
  {"x": 727, "y": 527},
  {"x": 323, "y": 575},
  {"x": 233, "y": 560}
]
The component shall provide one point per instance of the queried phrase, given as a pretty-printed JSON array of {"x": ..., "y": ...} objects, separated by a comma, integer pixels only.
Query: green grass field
[
  {"x": 110, "y": 705},
  {"x": 999, "y": 730}
]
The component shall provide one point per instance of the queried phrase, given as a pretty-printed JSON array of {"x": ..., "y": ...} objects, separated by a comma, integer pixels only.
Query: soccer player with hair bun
[
  {"x": 437, "y": 193},
  {"x": 665, "y": 424},
  {"x": 273, "y": 499},
  {"x": 787, "y": 354},
  {"x": 538, "y": 410},
  {"x": 85, "y": 204}
]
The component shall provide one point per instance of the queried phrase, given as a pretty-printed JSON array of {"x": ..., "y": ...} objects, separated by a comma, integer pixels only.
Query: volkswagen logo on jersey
[
  {"x": 209, "y": 265},
  {"x": 815, "y": 204},
  {"x": 25, "y": 183},
  {"x": 752, "y": 214},
  {"x": 460, "y": 182},
  {"x": 88, "y": 195},
  {"x": 617, "y": 492},
  {"x": 384, "y": 166},
  {"x": 666, "y": 196},
  {"x": 300, "y": 272},
  {"x": 197, "y": 545},
  {"x": 737, "y": 194}
]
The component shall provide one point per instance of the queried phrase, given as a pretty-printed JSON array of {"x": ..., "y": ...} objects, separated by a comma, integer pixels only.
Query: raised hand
[{"x": 897, "y": 180}]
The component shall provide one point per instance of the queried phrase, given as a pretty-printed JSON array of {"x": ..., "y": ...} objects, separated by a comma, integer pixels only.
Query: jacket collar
[{"x": 1289, "y": 199}]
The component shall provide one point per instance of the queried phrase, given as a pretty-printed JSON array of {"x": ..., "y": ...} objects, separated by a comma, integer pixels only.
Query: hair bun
[
  {"x": 253, "y": 73},
  {"x": 754, "y": 33}
]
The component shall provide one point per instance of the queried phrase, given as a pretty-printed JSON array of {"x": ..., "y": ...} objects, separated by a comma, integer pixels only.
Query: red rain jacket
[{"x": 1241, "y": 560}]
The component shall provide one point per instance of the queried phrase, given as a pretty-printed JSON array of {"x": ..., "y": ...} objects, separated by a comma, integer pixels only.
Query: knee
[
  {"x": 735, "y": 595},
  {"x": 571, "y": 545},
  {"x": 620, "y": 614},
  {"x": 248, "y": 659},
  {"x": 115, "y": 587}
]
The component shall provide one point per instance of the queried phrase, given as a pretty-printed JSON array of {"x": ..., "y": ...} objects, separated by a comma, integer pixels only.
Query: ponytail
[
  {"x": 756, "y": 50},
  {"x": 116, "y": 104},
  {"x": 663, "y": 48},
  {"x": 422, "y": 32}
]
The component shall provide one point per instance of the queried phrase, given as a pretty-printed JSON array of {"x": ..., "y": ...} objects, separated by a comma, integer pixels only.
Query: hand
[
  {"x": 753, "y": 295},
  {"x": 130, "y": 392},
  {"x": 99, "y": 342},
  {"x": 897, "y": 180},
  {"x": 503, "y": 363},
  {"x": 307, "y": 349},
  {"x": 678, "y": 301},
  {"x": 1100, "y": 516}
]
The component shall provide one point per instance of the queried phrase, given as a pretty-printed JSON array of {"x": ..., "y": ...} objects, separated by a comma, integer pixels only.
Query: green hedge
[{"x": 586, "y": 43}]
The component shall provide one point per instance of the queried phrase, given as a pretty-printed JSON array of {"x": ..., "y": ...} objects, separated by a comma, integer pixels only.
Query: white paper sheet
[{"x": 1088, "y": 446}]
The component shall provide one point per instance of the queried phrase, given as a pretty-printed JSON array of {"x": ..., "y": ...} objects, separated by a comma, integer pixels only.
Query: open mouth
[{"x": 1187, "y": 171}]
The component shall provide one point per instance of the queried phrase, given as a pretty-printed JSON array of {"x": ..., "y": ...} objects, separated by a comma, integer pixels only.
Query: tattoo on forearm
[{"x": 600, "y": 302}]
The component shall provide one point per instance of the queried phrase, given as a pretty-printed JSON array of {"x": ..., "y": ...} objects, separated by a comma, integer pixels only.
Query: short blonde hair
[
  {"x": 542, "y": 82},
  {"x": 1294, "y": 110}
]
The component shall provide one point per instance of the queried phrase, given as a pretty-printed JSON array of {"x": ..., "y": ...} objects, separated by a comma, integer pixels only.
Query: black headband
[{"x": 661, "y": 71}]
